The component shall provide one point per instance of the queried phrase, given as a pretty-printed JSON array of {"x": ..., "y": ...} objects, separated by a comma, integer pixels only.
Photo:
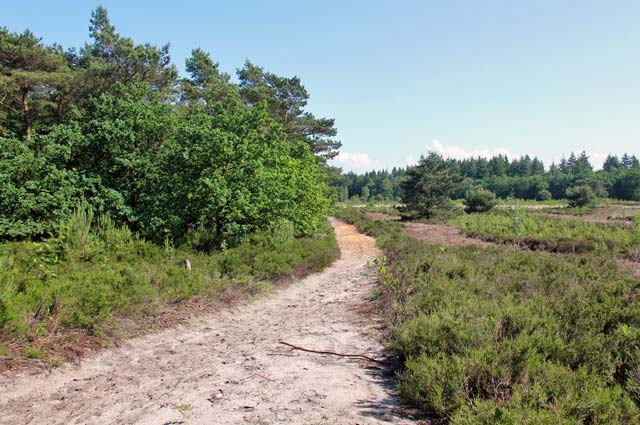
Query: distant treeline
[
  {"x": 113, "y": 123},
  {"x": 522, "y": 178}
]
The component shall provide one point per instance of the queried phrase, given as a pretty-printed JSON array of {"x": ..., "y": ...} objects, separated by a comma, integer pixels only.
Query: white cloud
[
  {"x": 410, "y": 160},
  {"x": 459, "y": 153},
  {"x": 597, "y": 159},
  {"x": 358, "y": 162}
]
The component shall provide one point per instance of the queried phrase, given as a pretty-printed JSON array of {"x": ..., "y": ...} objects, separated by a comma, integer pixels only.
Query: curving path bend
[{"x": 228, "y": 368}]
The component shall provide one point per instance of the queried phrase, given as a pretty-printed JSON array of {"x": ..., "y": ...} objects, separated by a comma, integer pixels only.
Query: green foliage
[
  {"x": 434, "y": 383},
  {"x": 113, "y": 126},
  {"x": 225, "y": 176},
  {"x": 33, "y": 352},
  {"x": 428, "y": 187},
  {"x": 35, "y": 193},
  {"x": 28, "y": 70},
  {"x": 117, "y": 141},
  {"x": 231, "y": 175},
  {"x": 286, "y": 99},
  {"x": 111, "y": 59},
  {"x": 492, "y": 335},
  {"x": 544, "y": 195},
  {"x": 382, "y": 185},
  {"x": 626, "y": 185},
  {"x": 521, "y": 178},
  {"x": 281, "y": 232},
  {"x": 479, "y": 200},
  {"x": 76, "y": 233},
  {"x": 91, "y": 274},
  {"x": 581, "y": 196},
  {"x": 207, "y": 87}
]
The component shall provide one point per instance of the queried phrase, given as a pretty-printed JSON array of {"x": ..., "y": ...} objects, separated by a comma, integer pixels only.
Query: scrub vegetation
[
  {"x": 496, "y": 335},
  {"x": 94, "y": 274},
  {"x": 518, "y": 226}
]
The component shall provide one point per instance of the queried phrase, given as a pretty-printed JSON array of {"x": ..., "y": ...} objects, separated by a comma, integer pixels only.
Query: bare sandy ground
[
  {"x": 229, "y": 368},
  {"x": 440, "y": 234}
]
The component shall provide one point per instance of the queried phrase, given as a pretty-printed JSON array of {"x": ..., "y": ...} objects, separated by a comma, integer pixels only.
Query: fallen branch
[
  {"x": 308, "y": 350},
  {"x": 258, "y": 375}
]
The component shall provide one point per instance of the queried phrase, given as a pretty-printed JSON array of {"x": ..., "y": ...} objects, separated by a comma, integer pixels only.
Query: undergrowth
[
  {"x": 94, "y": 271},
  {"x": 501, "y": 336}
]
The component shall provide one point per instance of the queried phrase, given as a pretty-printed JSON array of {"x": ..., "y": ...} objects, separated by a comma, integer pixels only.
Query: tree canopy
[
  {"x": 113, "y": 124},
  {"x": 523, "y": 177},
  {"x": 286, "y": 99}
]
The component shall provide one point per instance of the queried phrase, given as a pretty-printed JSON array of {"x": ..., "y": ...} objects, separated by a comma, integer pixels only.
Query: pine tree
[
  {"x": 627, "y": 160},
  {"x": 611, "y": 163},
  {"x": 112, "y": 59},
  {"x": 28, "y": 67},
  {"x": 207, "y": 86},
  {"x": 428, "y": 186},
  {"x": 582, "y": 164},
  {"x": 286, "y": 99}
]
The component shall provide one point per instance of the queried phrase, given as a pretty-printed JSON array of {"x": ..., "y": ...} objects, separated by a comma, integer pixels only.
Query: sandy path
[
  {"x": 228, "y": 368},
  {"x": 440, "y": 234}
]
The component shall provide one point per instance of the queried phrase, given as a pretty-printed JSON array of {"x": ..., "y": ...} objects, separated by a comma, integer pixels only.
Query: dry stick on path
[{"x": 362, "y": 356}]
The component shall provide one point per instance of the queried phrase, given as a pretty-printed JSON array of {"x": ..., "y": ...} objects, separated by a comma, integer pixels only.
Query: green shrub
[
  {"x": 434, "y": 383},
  {"x": 544, "y": 195},
  {"x": 479, "y": 200},
  {"x": 581, "y": 196},
  {"x": 115, "y": 237},
  {"x": 77, "y": 235},
  {"x": 428, "y": 187},
  {"x": 281, "y": 232},
  {"x": 35, "y": 192},
  {"x": 33, "y": 352}
]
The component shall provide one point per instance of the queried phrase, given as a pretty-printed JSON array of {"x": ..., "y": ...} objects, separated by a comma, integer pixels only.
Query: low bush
[
  {"x": 497, "y": 336},
  {"x": 479, "y": 200},
  {"x": 544, "y": 195},
  {"x": 581, "y": 196},
  {"x": 93, "y": 273}
]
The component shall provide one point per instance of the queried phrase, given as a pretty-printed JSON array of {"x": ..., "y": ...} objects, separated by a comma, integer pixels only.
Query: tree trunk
[
  {"x": 25, "y": 110},
  {"x": 59, "y": 109}
]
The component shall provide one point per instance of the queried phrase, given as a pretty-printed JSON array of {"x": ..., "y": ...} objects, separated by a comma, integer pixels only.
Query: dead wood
[{"x": 333, "y": 353}]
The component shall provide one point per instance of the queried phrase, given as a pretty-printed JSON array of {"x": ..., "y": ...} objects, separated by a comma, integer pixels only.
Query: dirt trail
[
  {"x": 440, "y": 234},
  {"x": 229, "y": 368}
]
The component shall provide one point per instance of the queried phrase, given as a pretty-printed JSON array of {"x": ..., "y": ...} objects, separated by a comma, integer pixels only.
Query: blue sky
[{"x": 402, "y": 77}]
